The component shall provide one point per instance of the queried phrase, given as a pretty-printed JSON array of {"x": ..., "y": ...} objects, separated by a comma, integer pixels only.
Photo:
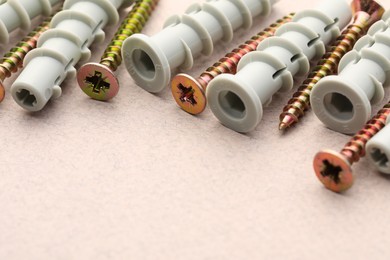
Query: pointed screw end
[{"x": 286, "y": 122}]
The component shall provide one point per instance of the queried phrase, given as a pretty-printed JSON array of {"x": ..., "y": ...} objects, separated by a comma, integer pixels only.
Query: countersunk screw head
[
  {"x": 189, "y": 94},
  {"x": 98, "y": 81},
  {"x": 333, "y": 170},
  {"x": 2, "y": 91}
]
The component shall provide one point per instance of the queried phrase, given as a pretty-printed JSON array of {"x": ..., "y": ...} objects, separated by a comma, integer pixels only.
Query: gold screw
[
  {"x": 366, "y": 13},
  {"x": 189, "y": 93},
  {"x": 13, "y": 60},
  {"x": 334, "y": 169},
  {"x": 98, "y": 80}
]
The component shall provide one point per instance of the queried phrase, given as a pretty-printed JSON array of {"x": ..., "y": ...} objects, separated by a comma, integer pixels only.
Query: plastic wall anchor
[
  {"x": 150, "y": 60},
  {"x": 238, "y": 100},
  {"x": 378, "y": 149},
  {"x": 343, "y": 102},
  {"x": 19, "y": 13},
  {"x": 60, "y": 48}
]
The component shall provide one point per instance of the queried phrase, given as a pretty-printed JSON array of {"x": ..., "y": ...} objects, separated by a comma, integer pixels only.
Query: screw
[
  {"x": 189, "y": 93},
  {"x": 366, "y": 13},
  {"x": 13, "y": 60},
  {"x": 98, "y": 80},
  {"x": 334, "y": 169}
]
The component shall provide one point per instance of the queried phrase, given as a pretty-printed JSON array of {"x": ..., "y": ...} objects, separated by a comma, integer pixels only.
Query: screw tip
[
  {"x": 188, "y": 94},
  {"x": 282, "y": 126},
  {"x": 333, "y": 170},
  {"x": 287, "y": 121}
]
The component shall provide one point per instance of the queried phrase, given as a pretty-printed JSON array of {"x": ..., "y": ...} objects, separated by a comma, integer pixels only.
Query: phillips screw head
[
  {"x": 189, "y": 93},
  {"x": 333, "y": 170},
  {"x": 98, "y": 81}
]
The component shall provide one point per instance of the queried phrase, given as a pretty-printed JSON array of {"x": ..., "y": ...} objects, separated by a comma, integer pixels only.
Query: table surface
[{"x": 137, "y": 178}]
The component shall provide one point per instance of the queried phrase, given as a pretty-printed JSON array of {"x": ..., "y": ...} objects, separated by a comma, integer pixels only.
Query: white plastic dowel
[
  {"x": 60, "y": 48},
  {"x": 19, "y": 13},
  {"x": 378, "y": 149},
  {"x": 343, "y": 102},
  {"x": 238, "y": 100},
  {"x": 150, "y": 60}
]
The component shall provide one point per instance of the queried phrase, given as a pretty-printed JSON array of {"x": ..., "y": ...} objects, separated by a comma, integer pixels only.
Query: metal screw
[
  {"x": 366, "y": 13},
  {"x": 13, "y": 60},
  {"x": 98, "y": 80},
  {"x": 189, "y": 93},
  {"x": 334, "y": 169}
]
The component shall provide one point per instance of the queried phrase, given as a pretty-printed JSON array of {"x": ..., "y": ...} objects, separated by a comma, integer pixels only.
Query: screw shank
[{"x": 133, "y": 23}]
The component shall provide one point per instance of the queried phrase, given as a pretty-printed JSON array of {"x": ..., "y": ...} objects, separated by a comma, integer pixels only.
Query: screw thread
[
  {"x": 13, "y": 60},
  {"x": 300, "y": 102},
  {"x": 355, "y": 148},
  {"x": 133, "y": 23},
  {"x": 228, "y": 64}
]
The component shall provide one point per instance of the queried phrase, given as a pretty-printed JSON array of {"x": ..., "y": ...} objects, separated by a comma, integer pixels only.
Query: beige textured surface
[{"x": 137, "y": 178}]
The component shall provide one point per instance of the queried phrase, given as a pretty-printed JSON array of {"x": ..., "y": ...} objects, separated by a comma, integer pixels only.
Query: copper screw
[
  {"x": 13, "y": 60},
  {"x": 334, "y": 169},
  {"x": 366, "y": 13},
  {"x": 98, "y": 80},
  {"x": 189, "y": 93}
]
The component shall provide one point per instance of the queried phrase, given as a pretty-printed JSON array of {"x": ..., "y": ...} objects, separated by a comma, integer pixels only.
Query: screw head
[
  {"x": 188, "y": 94},
  {"x": 98, "y": 81},
  {"x": 333, "y": 170},
  {"x": 2, "y": 91}
]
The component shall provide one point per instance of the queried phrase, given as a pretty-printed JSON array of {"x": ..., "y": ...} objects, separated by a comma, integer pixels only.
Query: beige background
[{"x": 137, "y": 178}]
